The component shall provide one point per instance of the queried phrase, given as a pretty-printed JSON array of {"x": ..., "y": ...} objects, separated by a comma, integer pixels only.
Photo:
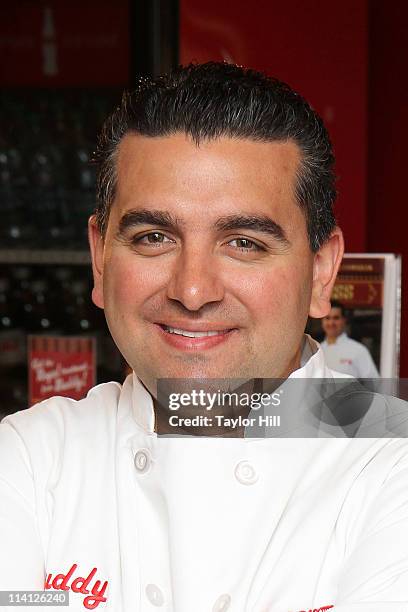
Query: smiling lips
[
  {"x": 194, "y": 334},
  {"x": 189, "y": 339}
]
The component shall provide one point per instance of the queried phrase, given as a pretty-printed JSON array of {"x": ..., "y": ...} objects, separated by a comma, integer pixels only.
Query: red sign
[
  {"x": 360, "y": 282},
  {"x": 358, "y": 293},
  {"x": 60, "y": 365}
]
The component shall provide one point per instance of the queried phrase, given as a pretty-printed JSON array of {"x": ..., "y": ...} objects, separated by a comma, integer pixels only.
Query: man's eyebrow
[
  {"x": 147, "y": 217},
  {"x": 162, "y": 218},
  {"x": 256, "y": 223}
]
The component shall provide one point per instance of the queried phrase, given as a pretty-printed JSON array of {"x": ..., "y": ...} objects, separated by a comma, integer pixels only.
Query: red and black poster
[
  {"x": 60, "y": 365},
  {"x": 360, "y": 283}
]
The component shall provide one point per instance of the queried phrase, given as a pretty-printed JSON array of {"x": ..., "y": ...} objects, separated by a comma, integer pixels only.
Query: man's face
[
  {"x": 334, "y": 324},
  {"x": 205, "y": 270}
]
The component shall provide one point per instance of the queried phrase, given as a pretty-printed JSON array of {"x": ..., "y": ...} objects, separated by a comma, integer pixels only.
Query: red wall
[
  {"x": 319, "y": 48},
  {"x": 387, "y": 226}
]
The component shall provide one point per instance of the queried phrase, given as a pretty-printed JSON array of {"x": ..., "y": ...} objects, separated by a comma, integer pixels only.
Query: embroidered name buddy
[{"x": 94, "y": 596}]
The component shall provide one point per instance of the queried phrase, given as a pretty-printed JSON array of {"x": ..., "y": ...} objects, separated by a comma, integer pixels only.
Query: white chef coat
[
  {"x": 350, "y": 357},
  {"x": 199, "y": 524}
]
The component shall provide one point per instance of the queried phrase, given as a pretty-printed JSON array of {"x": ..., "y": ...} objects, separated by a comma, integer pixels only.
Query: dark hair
[
  {"x": 339, "y": 305},
  {"x": 208, "y": 101}
]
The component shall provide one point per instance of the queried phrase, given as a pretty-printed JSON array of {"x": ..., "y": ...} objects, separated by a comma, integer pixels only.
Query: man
[
  {"x": 341, "y": 352},
  {"x": 213, "y": 240}
]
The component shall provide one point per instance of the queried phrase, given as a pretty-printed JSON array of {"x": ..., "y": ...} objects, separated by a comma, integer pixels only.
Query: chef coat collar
[
  {"x": 312, "y": 365},
  {"x": 143, "y": 410},
  {"x": 339, "y": 340}
]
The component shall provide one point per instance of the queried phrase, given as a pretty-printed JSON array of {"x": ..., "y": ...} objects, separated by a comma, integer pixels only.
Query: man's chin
[
  {"x": 202, "y": 374},
  {"x": 210, "y": 376}
]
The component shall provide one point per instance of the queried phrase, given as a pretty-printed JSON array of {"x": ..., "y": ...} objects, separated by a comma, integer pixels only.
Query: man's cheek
[
  {"x": 257, "y": 285},
  {"x": 118, "y": 292},
  {"x": 275, "y": 293},
  {"x": 126, "y": 282}
]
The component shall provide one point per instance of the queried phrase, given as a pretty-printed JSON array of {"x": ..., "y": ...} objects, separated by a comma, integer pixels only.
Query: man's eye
[
  {"x": 153, "y": 238},
  {"x": 244, "y": 244}
]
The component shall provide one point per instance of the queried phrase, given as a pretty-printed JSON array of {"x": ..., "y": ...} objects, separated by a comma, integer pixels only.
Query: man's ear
[
  {"x": 325, "y": 267},
  {"x": 96, "y": 245}
]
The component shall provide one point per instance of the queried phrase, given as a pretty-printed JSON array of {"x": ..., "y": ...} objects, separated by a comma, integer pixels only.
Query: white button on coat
[
  {"x": 142, "y": 461},
  {"x": 245, "y": 473},
  {"x": 222, "y": 604},
  {"x": 154, "y": 595}
]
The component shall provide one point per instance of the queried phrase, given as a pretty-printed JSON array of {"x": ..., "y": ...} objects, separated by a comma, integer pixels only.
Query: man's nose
[{"x": 195, "y": 280}]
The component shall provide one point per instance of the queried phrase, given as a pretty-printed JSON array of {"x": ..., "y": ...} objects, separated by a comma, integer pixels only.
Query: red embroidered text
[
  {"x": 318, "y": 609},
  {"x": 79, "y": 585}
]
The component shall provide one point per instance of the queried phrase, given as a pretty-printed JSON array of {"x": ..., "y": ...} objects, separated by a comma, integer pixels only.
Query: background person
[{"x": 343, "y": 354}]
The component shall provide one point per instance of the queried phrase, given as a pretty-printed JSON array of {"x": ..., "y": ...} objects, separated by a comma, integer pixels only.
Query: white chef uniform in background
[{"x": 349, "y": 356}]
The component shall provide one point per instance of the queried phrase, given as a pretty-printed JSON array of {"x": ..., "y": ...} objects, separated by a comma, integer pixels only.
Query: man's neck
[
  {"x": 333, "y": 339},
  {"x": 209, "y": 427}
]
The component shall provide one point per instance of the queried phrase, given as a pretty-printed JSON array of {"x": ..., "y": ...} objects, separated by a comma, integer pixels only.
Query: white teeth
[{"x": 192, "y": 334}]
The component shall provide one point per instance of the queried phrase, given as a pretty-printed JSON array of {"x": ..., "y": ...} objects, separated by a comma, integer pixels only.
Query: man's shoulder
[
  {"x": 52, "y": 441},
  {"x": 52, "y": 418},
  {"x": 355, "y": 343},
  {"x": 356, "y": 346}
]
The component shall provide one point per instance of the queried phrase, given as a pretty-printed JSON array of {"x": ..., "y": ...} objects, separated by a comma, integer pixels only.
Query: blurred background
[{"x": 63, "y": 67}]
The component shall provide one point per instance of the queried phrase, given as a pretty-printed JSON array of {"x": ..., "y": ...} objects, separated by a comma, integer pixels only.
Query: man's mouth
[
  {"x": 193, "y": 334},
  {"x": 195, "y": 339}
]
